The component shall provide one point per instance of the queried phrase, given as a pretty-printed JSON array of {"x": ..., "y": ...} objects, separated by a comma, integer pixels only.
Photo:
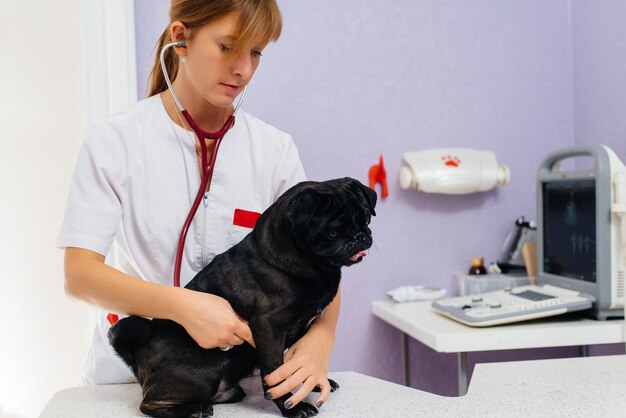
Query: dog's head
[{"x": 330, "y": 220}]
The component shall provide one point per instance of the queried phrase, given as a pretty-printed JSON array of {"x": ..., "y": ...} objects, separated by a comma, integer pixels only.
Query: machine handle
[{"x": 598, "y": 152}]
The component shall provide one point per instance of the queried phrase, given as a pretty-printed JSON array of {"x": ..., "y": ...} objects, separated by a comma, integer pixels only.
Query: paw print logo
[{"x": 451, "y": 161}]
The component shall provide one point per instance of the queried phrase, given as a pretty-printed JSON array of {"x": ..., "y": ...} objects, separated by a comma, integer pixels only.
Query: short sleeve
[
  {"x": 93, "y": 211},
  {"x": 289, "y": 169}
]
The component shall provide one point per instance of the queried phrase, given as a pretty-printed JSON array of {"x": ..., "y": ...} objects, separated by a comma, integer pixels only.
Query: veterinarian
[{"x": 136, "y": 177}]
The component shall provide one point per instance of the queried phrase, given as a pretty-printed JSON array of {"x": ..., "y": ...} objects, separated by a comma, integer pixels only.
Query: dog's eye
[{"x": 333, "y": 234}]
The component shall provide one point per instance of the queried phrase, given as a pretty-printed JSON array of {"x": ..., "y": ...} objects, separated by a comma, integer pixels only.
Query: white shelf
[{"x": 418, "y": 320}]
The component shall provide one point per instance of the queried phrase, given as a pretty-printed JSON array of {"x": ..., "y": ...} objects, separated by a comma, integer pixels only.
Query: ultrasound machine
[{"x": 581, "y": 246}]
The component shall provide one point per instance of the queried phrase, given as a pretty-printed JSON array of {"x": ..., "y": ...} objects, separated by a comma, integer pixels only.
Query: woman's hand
[
  {"x": 211, "y": 321},
  {"x": 306, "y": 364}
]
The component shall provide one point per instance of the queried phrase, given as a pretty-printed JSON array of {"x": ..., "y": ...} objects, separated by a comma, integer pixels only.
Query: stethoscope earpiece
[{"x": 181, "y": 44}]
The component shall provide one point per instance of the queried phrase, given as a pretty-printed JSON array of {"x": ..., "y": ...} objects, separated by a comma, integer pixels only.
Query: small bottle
[{"x": 478, "y": 266}]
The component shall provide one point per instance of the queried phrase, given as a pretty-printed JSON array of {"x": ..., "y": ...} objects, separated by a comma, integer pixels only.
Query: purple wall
[
  {"x": 599, "y": 36},
  {"x": 351, "y": 82}
]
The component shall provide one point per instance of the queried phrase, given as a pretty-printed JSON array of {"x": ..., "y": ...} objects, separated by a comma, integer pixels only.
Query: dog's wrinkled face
[{"x": 330, "y": 220}]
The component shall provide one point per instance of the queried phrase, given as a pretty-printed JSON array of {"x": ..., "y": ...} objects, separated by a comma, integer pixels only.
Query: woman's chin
[{"x": 222, "y": 101}]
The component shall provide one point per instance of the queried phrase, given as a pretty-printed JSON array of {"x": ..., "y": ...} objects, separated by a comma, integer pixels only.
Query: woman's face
[{"x": 216, "y": 75}]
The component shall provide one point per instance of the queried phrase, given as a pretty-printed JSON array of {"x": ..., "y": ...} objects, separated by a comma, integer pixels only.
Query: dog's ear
[
  {"x": 367, "y": 194},
  {"x": 370, "y": 197},
  {"x": 301, "y": 209}
]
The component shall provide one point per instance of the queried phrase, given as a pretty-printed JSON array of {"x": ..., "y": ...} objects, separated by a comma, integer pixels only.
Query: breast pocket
[{"x": 237, "y": 233}]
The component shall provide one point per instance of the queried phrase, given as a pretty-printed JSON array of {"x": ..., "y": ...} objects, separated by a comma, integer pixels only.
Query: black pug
[{"x": 278, "y": 278}]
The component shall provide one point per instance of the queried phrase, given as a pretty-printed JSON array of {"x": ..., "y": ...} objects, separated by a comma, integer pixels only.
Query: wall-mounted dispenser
[{"x": 452, "y": 171}]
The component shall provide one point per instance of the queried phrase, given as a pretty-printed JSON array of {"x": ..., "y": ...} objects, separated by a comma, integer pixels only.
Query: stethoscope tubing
[{"x": 207, "y": 167}]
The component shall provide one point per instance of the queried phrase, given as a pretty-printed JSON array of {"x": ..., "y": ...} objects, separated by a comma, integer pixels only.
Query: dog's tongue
[{"x": 356, "y": 256}]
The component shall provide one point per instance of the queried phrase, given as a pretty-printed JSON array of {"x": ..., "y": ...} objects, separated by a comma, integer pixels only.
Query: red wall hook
[{"x": 378, "y": 174}]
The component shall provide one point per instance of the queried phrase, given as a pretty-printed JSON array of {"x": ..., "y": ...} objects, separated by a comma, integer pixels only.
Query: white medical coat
[{"x": 134, "y": 183}]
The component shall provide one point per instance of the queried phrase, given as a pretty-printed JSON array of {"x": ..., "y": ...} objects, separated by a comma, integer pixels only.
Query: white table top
[
  {"x": 357, "y": 396},
  {"x": 444, "y": 335},
  {"x": 584, "y": 386},
  {"x": 571, "y": 387}
]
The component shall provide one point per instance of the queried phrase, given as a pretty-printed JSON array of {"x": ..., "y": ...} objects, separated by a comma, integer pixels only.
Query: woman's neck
[{"x": 208, "y": 116}]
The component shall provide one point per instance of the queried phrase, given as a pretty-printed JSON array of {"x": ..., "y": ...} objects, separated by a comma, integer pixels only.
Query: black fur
[{"x": 279, "y": 277}]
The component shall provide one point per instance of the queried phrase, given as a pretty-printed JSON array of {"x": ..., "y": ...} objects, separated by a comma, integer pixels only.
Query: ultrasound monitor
[
  {"x": 569, "y": 229},
  {"x": 578, "y": 241}
]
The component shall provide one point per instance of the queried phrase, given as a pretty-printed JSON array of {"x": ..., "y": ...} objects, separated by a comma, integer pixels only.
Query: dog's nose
[{"x": 360, "y": 237}]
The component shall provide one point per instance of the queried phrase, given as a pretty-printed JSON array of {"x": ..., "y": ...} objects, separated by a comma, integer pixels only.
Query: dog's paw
[
  {"x": 333, "y": 385},
  {"x": 302, "y": 410},
  {"x": 160, "y": 408},
  {"x": 206, "y": 411}
]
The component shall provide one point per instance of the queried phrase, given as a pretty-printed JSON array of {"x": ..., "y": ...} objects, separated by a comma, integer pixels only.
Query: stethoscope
[{"x": 207, "y": 168}]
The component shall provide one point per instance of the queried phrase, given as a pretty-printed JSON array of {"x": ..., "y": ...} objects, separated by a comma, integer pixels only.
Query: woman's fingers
[
  {"x": 234, "y": 340},
  {"x": 325, "y": 392},
  {"x": 280, "y": 374},
  {"x": 244, "y": 333},
  {"x": 305, "y": 389},
  {"x": 291, "y": 382}
]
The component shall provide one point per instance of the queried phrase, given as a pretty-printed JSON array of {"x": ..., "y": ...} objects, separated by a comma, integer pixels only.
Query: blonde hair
[{"x": 259, "y": 22}]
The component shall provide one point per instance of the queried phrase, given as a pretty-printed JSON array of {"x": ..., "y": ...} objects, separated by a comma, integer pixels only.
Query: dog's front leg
[{"x": 270, "y": 345}]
